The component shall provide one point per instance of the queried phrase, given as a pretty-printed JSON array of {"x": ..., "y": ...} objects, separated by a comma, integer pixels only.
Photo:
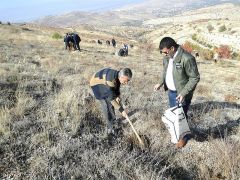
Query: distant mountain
[{"x": 133, "y": 15}]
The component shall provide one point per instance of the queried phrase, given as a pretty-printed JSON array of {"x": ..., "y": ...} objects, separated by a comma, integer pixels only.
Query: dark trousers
[
  {"x": 76, "y": 45},
  {"x": 108, "y": 113}
]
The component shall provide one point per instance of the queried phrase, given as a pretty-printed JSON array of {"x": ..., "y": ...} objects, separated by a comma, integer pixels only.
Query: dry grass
[
  {"x": 51, "y": 128},
  {"x": 231, "y": 98},
  {"x": 5, "y": 124},
  {"x": 204, "y": 90}
]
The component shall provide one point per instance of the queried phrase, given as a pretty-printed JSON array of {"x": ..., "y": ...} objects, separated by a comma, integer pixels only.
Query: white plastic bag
[{"x": 176, "y": 123}]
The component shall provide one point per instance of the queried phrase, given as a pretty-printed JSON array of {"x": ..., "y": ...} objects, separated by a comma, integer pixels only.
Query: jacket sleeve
[
  {"x": 114, "y": 93},
  {"x": 116, "y": 105},
  {"x": 191, "y": 70}
]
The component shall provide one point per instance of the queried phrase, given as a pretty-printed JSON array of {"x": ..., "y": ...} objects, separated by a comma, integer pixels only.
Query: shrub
[
  {"x": 25, "y": 29},
  {"x": 210, "y": 28},
  {"x": 194, "y": 37},
  {"x": 57, "y": 36},
  {"x": 222, "y": 28},
  {"x": 8, "y": 23},
  {"x": 187, "y": 47},
  {"x": 0, "y": 22},
  {"x": 224, "y": 51},
  {"x": 207, "y": 54},
  {"x": 204, "y": 53}
]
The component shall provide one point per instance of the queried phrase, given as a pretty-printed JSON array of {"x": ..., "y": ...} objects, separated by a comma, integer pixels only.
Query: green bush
[
  {"x": 194, "y": 37},
  {"x": 57, "y": 36},
  {"x": 204, "y": 53},
  {"x": 210, "y": 28},
  {"x": 222, "y": 28}
]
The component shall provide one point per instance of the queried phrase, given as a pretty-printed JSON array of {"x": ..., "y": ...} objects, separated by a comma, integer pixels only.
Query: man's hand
[
  {"x": 124, "y": 114},
  {"x": 157, "y": 87},
  {"x": 180, "y": 98},
  {"x": 118, "y": 100}
]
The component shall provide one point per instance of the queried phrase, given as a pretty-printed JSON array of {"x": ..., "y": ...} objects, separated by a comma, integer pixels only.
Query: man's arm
[
  {"x": 162, "y": 78},
  {"x": 191, "y": 70}
]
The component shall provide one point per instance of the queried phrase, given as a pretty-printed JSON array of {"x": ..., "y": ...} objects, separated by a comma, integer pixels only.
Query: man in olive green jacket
[{"x": 180, "y": 76}]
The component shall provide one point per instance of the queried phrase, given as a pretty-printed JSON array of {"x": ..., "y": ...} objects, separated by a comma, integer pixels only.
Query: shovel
[{"x": 138, "y": 137}]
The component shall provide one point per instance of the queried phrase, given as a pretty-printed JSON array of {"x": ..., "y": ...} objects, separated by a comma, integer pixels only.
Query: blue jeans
[
  {"x": 185, "y": 104},
  {"x": 173, "y": 102}
]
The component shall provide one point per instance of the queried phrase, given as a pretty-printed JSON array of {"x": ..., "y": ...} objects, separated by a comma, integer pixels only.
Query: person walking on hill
[
  {"x": 105, "y": 85},
  {"x": 180, "y": 77},
  {"x": 113, "y": 42},
  {"x": 65, "y": 41},
  {"x": 68, "y": 39},
  {"x": 125, "y": 48},
  {"x": 76, "y": 40}
]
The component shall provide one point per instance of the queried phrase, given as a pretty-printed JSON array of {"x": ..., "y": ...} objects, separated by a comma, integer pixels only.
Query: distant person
[
  {"x": 65, "y": 40},
  {"x": 216, "y": 57},
  {"x": 196, "y": 55},
  {"x": 76, "y": 40},
  {"x": 180, "y": 77},
  {"x": 113, "y": 42},
  {"x": 123, "y": 51},
  {"x": 68, "y": 41},
  {"x": 125, "y": 48},
  {"x": 99, "y": 42},
  {"x": 108, "y": 42},
  {"x": 105, "y": 85}
]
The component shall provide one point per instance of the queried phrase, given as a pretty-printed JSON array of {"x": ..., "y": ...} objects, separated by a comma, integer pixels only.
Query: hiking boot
[{"x": 181, "y": 143}]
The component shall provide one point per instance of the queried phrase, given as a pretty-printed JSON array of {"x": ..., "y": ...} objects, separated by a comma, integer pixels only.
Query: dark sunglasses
[{"x": 165, "y": 52}]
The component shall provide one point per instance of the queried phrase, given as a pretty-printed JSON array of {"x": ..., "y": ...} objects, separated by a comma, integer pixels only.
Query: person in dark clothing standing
[
  {"x": 180, "y": 77},
  {"x": 105, "y": 85},
  {"x": 68, "y": 38},
  {"x": 76, "y": 40},
  {"x": 65, "y": 41},
  {"x": 113, "y": 42},
  {"x": 125, "y": 48}
]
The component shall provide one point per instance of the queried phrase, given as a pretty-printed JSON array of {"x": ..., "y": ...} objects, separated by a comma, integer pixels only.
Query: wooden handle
[{"x": 138, "y": 137}]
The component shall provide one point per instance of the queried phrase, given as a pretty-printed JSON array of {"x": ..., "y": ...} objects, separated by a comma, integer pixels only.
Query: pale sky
[{"x": 27, "y": 10}]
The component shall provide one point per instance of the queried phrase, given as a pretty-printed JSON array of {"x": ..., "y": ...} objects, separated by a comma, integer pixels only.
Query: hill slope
[
  {"x": 52, "y": 129},
  {"x": 133, "y": 15}
]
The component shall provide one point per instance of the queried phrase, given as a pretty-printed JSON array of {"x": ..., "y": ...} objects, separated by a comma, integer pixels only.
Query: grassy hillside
[{"x": 51, "y": 128}]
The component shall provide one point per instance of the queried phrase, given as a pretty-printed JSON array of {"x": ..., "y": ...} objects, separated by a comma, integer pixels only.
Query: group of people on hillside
[
  {"x": 72, "y": 39},
  {"x": 108, "y": 42},
  {"x": 180, "y": 77}
]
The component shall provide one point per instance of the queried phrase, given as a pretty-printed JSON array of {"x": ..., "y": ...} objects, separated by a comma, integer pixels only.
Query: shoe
[{"x": 181, "y": 143}]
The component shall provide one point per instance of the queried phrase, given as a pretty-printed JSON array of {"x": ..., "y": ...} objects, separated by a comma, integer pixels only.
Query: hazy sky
[{"x": 27, "y": 10}]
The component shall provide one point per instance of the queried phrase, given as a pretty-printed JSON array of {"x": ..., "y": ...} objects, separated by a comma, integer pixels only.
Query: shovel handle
[{"x": 138, "y": 137}]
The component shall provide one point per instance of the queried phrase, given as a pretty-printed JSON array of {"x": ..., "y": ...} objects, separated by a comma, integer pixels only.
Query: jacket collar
[{"x": 179, "y": 54}]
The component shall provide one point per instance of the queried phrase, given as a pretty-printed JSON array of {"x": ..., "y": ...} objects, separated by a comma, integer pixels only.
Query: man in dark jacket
[
  {"x": 65, "y": 41},
  {"x": 113, "y": 42},
  {"x": 68, "y": 39},
  {"x": 76, "y": 40},
  {"x": 180, "y": 76},
  {"x": 105, "y": 85}
]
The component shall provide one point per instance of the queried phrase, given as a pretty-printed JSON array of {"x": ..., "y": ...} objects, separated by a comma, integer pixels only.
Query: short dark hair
[
  {"x": 125, "y": 72},
  {"x": 167, "y": 42}
]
